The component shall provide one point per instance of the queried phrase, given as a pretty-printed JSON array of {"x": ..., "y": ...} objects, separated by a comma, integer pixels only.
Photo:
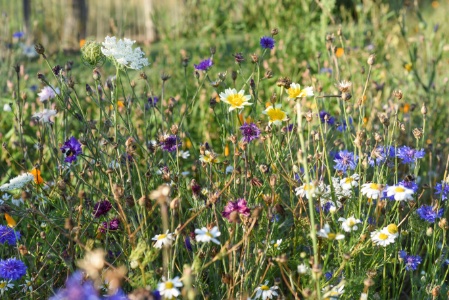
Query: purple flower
[
  {"x": 152, "y": 102},
  {"x": 170, "y": 143},
  {"x": 250, "y": 132},
  {"x": 443, "y": 189},
  {"x": 345, "y": 160},
  {"x": 429, "y": 214},
  {"x": 188, "y": 244},
  {"x": 328, "y": 275},
  {"x": 410, "y": 184},
  {"x": 411, "y": 261},
  {"x": 12, "y": 269},
  {"x": 380, "y": 155},
  {"x": 325, "y": 117},
  {"x": 77, "y": 289},
  {"x": 204, "y": 65},
  {"x": 112, "y": 225},
  {"x": 342, "y": 127},
  {"x": 9, "y": 235},
  {"x": 267, "y": 42},
  {"x": 71, "y": 150},
  {"x": 238, "y": 206},
  {"x": 326, "y": 70},
  {"x": 18, "y": 34},
  {"x": 409, "y": 155},
  {"x": 101, "y": 208}
]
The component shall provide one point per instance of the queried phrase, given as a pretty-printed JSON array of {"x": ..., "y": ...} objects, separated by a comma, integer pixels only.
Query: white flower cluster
[
  {"x": 48, "y": 93},
  {"x": 44, "y": 116},
  {"x": 123, "y": 53},
  {"x": 17, "y": 182}
]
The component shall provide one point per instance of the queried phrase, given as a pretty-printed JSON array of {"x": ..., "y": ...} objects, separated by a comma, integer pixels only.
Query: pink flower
[{"x": 240, "y": 206}]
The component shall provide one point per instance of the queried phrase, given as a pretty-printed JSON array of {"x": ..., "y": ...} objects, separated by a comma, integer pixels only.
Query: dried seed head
[
  {"x": 213, "y": 50},
  {"x": 383, "y": 117},
  {"x": 424, "y": 109},
  {"x": 344, "y": 86},
  {"x": 345, "y": 96},
  {"x": 368, "y": 282},
  {"x": 339, "y": 31},
  {"x": 268, "y": 74},
  {"x": 284, "y": 82},
  {"x": 443, "y": 224},
  {"x": 40, "y": 49},
  {"x": 417, "y": 133},
  {"x": 96, "y": 74},
  {"x": 398, "y": 94},
  {"x": 274, "y": 31},
  {"x": 165, "y": 77},
  {"x": 23, "y": 250},
  {"x": 254, "y": 58},
  {"x": 378, "y": 137},
  {"x": 371, "y": 59},
  {"x": 309, "y": 116},
  {"x": 234, "y": 75},
  {"x": 273, "y": 180},
  {"x": 238, "y": 58},
  {"x": 174, "y": 129}
]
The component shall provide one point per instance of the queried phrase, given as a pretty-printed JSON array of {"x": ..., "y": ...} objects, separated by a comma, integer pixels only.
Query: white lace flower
[
  {"x": 44, "y": 116},
  {"x": 205, "y": 236},
  {"x": 17, "y": 182},
  {"x": 48, "y": 93},
  {"x": 122, "y": 52}
]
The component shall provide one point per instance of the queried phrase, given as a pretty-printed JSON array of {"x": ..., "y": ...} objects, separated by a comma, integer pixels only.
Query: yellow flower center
[
  {"x": 392, "y": 229},
  {"x": 383, "y": 236},
  {"x": 295, "y": 93},
  {"x": 275, "y": 114},
  {"x": 2, "y": 285},
  {"x": 374, "y": 186},
  {"x": 264, "y": 288},
  {"x": 209, "y": 235},
  {"x": 351, "y": 222},
  {"x": 236, "y": 100},
  {"x": 276, "y": 245},
  {"x": 307, "y": 187},
  {"x": 331, "y": 236},
  {"x": 349, "y": 180},
  {"x": 169, "y": 285},
  {"x": 161, "y": 237},
  {"x": 399, "y": 189}
]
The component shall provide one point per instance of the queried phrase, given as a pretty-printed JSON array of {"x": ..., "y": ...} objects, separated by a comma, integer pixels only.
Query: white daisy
[
  {"x": 235, "y": 99},
  {"x": 4, "y": 286},
  {"x": 265, "y": 292},
  {"x": 349, "y": 224},
  {"x": 205, "y": 236},
  {"x": 372, "y": 190},
  {"x": 169, "y": 288},
  {"x": 17, "y": 182},
  {"x": 184, "y": 154},
  {"x": 313, "y": 189},
  {"x": 302, "y": 269},
  {"x": 400, "y": 193},
  {"x": 7, "y": 107},
  {"x": 382, "y": 237},
  {"x": 335, "y": 291},
  {"x": 164, "y": 239},
  {"x": 48, "y": 93},
  {"x": 276, "y": 244},
  {"x": 295, "y": 91},
  {"x": 44, "y": 116},
  {"x": 27, "y": 286},
  {"x": 350, "y": 182},
  {"x": 326, "y": 233}
]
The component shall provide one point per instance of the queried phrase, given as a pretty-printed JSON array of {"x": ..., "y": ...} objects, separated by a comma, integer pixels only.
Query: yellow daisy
[
  {"x": 235, "y": 99},
  {"x": 275, "y": 114},
  {"x": 295, "y": 91}
]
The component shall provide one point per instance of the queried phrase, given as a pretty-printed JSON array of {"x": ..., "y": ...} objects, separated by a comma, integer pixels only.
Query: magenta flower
[
  {"x": 240, "y": 206},
  {"x": 71, "y": 150}
]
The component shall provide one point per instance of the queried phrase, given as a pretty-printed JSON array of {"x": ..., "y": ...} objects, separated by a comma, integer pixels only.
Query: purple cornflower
[
  {"x": 429, "y": 214},
  {"x": 101, "y": 208},
  {"x": 410, "y": 184},
  {"x": 152, "y": 102},
  {"x": 71, "y": 150},
  {"x": 9, "y": 235},
  {"x": 411, "y": 261},
  {"x": 238, "y": 206},
  {"x": 204, "y": 65},
  {"x": 342, "y": 127},
  {"x": 170, "y": 143},
  {"x": 250, "y": 132},
  {"x": 380, "y": 155},
  {"x": 12, "y": 269},
  {"x": 443, "y": 189},
  {"x": 188, "y": 244},
  {"x": 18, "y": 34},
  {"x": 328, "y": 275},
  {"x": 326, "y": 117},
  {"x": 267, "y": 42},
  {"x": 409, "y": 155},
  {"x": 345, "y": 160},
  {"x": 110, "y": 226},
  {"x": 77, "y": 289}
]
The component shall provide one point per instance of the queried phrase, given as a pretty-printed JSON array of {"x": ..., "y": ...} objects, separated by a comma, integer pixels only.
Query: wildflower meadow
[{"x": 300, "y": 151}]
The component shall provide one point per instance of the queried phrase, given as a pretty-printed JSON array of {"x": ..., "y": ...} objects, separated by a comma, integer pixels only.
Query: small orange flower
[
  {"x": 339, "y": 52},
  {"x": 226, "y": 150},
  {"x": 82, "y": 42},
  {"x": 11, "y": 222},
  {"x": 37, "y": 176}
]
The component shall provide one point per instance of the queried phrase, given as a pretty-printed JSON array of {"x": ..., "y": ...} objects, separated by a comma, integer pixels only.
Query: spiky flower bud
[
  {"x": 418, "y": 133},
  {"x": 40, "y": 49},
  {"x": 91, "y": 54}
]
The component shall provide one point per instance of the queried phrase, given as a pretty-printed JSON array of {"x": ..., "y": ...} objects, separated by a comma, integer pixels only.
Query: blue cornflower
[
  {"x": 326, "y": 70},
  {"x": 429, "y": 214},
  {"x": 345, "y": 160},
  {"x": 342, "y": 127},
  {"x": 443, "y": 189},
  {"x": 380, "y": 155},
  {"x": 77, "y": 289},
  {"x": 204, "y": 65},
  {"x": 267, "y": 42},
  {"x": 410, "y": 184},
  {"x": 328, "y": 275},
  {"x": 411, "y": 261},
  {"x": 12, "y": 269},
  {"x": 326, "y": 117},
  {"x": 9, "y": 235},
  {"x": 152, "y": 102},
  {"x": 18, "y": 34},
  {"x": 409, "y": 155},
  {"x": 71, "y": 150},
  {"x": 170, "y": 143},
  {"x": 250, "y": 132}
]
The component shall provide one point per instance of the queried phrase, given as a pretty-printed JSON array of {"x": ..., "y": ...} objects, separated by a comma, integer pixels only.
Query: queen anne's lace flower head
[
  {"x": 17, "y": 182},
  {"x": 123, "y": 54}
]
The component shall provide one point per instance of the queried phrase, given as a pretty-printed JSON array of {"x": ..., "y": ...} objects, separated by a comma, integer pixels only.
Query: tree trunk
[
  {"x": 75, "y": 26},
  {"x": 26, "y": 18}
]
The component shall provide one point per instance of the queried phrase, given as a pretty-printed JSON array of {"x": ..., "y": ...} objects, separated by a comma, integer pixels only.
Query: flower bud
[{"x": 371, "y": 59}]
